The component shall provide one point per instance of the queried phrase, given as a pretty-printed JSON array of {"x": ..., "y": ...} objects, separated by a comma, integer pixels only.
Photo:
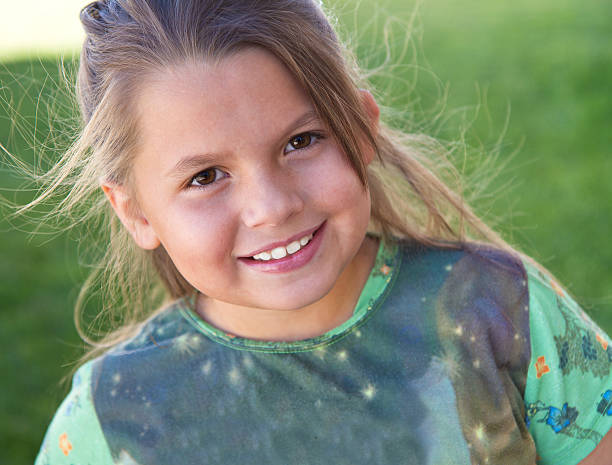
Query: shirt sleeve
[
  {"x": 568, "y": 394},
  {"x": 75, "y": 435}
]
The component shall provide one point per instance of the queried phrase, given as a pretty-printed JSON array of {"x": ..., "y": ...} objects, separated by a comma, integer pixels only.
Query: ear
[
  {"x": 128, "y": 212},
  {"x": 373, "y": 111}
]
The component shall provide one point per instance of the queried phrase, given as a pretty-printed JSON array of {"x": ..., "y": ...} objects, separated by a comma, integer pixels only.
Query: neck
[{"x": 310, "y": 321}]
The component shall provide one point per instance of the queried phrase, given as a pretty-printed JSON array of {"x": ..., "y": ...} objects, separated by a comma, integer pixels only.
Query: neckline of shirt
[{"x": 374, "y": 292}]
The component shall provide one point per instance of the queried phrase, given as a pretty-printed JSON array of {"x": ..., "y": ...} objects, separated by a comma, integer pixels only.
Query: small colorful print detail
[
  {"x": 580, "y": 348},
  {"x": 561, "y": 420},
  {"x": 602, "y": 341},
  {"x": 541, "y": 366},
  {"x": 385, "y": 269},
  {"x": 381, "y": 270},
  {"x": 64, "y": 444},
  {"x": 605, "y": 405},
  {"x": 381, "y": 267}
]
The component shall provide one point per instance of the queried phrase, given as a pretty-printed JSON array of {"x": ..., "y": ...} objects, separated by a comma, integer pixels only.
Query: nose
[{"x": 270, "y": 200}]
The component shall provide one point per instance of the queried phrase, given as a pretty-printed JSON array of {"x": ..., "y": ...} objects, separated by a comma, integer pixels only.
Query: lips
[
  {"x": 284, "y": 244},
  {"x": 291, "y": 262}
]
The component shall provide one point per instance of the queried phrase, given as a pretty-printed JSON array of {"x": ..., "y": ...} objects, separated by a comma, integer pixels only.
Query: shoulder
[
  {"x": 163, "y": 329},
  {"x": 559, "y": 322},
  {"x": 467, "y": 271},
  {"x": 480, "y": 257},
  {"x": 114, "y": 386},
  {"x": 568, "y": 397},
  {"x": 163, "y": 344},
  {"x": 475, "y": 295},
  {"x": 75, "y": 435}
]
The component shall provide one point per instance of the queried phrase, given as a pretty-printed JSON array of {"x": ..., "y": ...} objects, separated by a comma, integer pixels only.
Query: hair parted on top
[{"x": 129, "y": 41}]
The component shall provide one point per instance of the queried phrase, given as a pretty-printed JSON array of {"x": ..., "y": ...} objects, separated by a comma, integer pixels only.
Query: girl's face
[{"x": 233, "y": 162}]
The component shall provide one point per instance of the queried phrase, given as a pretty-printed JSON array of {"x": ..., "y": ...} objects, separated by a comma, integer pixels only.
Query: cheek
[
  {"x": 196, "y": 234},
  {"x": 336, "y": 185}
]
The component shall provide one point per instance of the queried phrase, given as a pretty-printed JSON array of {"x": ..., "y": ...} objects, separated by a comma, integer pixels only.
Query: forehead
[{"x": 250, "y": 89}]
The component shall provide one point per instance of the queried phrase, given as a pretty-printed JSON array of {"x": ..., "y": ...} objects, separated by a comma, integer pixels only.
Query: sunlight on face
[{"x": 234, "y": 162}]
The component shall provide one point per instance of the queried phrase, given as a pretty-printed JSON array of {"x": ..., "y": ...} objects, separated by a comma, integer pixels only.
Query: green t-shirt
[{"x": 451, "y": 357}]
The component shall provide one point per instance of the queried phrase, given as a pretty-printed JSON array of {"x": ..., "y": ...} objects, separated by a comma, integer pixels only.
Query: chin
[{"x": 296, "y": 299}]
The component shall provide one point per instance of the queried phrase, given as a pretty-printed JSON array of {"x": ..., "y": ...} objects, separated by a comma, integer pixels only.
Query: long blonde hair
[{"x": 128, "y": 40}]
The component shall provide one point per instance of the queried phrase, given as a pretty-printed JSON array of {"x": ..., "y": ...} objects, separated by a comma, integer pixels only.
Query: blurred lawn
[{"x": 550, "y": 60}]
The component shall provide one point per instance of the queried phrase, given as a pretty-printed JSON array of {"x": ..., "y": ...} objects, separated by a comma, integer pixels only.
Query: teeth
[
  {"x": 280, "y": 252},
  {"x": 293, "y": 247}
]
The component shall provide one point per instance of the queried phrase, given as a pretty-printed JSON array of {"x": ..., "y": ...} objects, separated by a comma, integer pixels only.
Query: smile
[
  {"x": 281, "y": 252},
  {"x": 277, "y": 258}
]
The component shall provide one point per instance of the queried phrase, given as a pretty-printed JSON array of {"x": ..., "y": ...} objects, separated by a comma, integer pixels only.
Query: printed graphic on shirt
[
  {"x": 434, "y": 373},
  {"x": 566, "y": 400},
  {"x": 560, "y": 419},
  {"x": 581, "y": 348},
  {"x": 605, "y": 405}
]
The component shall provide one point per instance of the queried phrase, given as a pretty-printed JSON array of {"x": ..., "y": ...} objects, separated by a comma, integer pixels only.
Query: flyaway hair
[{"x": 129, "y": 41}]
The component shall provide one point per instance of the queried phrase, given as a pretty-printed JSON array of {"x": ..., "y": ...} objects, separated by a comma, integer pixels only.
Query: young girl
[{"x": 329, "y": 301}]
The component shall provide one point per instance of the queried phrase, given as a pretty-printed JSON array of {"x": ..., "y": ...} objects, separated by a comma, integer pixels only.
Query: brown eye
[
  {"x": 207, "y": 176},
  {"x": 301, "y": 141}
]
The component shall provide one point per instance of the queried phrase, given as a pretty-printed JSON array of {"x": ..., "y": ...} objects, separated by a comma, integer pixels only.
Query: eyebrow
[
  {"x": 309, "y": 117},
  {"x": 191, "y": 163}
]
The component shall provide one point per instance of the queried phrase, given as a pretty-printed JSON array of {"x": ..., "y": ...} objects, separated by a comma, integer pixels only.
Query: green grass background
[{"x": 549, "y": 62}]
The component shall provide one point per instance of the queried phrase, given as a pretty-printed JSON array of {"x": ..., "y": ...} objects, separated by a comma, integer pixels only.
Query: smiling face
[{"x": 233, "y": 162}]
